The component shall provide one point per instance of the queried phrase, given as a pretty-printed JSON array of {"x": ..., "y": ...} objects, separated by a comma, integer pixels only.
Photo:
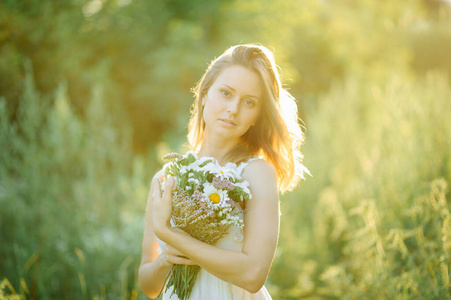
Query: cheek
[
  {"x": 212, "y": 106},
  {"x": 207, "y": 111}
]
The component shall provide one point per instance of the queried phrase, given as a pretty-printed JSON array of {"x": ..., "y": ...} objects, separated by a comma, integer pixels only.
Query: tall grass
[
  {"x": 374, "y": 221},
  {"x": 71, "y": 200}
]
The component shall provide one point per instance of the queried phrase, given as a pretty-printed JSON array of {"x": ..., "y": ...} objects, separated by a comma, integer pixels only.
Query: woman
[{"x": 241, "y": 112}]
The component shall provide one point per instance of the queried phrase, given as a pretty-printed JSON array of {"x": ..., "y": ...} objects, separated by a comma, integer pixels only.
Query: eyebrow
[{"x": 252, "y": 96}]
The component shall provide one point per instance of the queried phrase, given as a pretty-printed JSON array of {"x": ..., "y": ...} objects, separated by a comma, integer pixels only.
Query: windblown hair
[{"x": 277, "y": 135}]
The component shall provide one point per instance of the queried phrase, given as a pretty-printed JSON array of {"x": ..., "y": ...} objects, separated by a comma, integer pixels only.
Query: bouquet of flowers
[{"x": 204, "y": 198}]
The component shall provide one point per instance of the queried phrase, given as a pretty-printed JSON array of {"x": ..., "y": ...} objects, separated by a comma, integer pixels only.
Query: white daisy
[
  {"x": 215, "y": 197},
  {"x": 226, "y": 172}
]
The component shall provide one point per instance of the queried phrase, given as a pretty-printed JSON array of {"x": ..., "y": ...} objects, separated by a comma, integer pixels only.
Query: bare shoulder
[
  {"x": 259, "y": 167},
  {"x": 261, "y": 175}
]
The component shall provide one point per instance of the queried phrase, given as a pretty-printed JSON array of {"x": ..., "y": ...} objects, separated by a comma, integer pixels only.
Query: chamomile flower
[
  {"x": 215, "y": 196},
  {"x": 221, "y": 172},
  {"x": 230, "y": 165}
]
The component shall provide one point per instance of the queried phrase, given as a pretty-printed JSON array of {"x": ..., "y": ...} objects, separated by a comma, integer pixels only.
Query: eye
[
  {"x": 225, "y": 93},
  {"x": 249, "y": 102}
]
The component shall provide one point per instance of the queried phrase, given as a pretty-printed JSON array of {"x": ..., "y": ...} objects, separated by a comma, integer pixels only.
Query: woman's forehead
[{"x": 241, "y": 79}]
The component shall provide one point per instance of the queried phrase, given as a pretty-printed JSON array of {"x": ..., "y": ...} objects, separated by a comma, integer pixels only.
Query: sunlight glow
[{"x": 91, "y": 8}]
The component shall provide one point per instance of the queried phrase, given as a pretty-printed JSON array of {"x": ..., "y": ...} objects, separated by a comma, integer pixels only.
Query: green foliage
[
  {"x": 148, "y": 54},
  {"x": 375, "y": 216},
  {"x": 70, "y": 193}
]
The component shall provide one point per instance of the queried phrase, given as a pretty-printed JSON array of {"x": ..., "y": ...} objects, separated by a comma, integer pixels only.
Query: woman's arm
[
  {"x": 250, "y": 267},
  {"x": 155, "y": 267}
]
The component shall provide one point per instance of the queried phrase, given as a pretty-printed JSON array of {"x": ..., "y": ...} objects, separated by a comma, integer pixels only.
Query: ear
[{"x": 203, "y": 101}]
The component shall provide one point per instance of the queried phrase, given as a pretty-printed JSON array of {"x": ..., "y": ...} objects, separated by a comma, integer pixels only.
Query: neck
[{"x": 216, "y": 148}]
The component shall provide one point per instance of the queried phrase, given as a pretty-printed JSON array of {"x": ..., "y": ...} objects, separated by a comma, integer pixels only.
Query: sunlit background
[{"x": 93, "y": 93}]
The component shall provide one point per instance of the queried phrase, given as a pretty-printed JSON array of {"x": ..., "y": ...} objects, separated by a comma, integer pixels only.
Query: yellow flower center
[
  {"x": 215, "y": 198},
  {"x": 221, "y": 172}
]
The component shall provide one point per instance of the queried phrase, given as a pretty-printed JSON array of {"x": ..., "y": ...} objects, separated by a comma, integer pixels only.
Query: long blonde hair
[{"x": 277, "y": 135}]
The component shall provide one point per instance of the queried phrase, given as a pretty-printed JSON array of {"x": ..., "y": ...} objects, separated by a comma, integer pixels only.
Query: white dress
[{"x": 208, "y": 286}]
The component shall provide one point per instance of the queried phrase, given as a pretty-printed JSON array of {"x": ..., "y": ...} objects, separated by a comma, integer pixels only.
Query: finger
[
  {"x": 155, "y": 188},
  {"x": 153, "y": 193},
  {"x": 168, "y": 187},
  {"x": 179, "y": 260},
  {"x": 172, "y": 251}
]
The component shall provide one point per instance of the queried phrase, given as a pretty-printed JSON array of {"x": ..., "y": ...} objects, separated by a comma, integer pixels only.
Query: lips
[{"x": 229, "y": 122}]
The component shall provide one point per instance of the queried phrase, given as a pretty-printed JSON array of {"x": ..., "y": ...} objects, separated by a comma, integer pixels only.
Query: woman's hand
[
  {"x": 174, "y": 256},
  {"x": 161, "y": 207}
]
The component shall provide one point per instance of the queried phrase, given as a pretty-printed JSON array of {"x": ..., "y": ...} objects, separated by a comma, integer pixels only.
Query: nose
[{"x": 234, "y": 106}]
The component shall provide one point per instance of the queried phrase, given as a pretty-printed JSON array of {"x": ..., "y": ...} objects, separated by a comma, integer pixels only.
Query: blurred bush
[
  {"x": 148, "y": 54},
  {"x": 374, "y": 221},
  {"x": 70, "y": 194}
]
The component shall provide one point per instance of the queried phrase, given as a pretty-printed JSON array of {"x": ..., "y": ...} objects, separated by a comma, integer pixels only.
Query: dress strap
[{"x": 243, "y": 164}]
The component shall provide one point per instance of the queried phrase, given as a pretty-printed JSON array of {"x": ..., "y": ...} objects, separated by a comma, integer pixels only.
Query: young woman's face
[{"x": 233, "y": 102}]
